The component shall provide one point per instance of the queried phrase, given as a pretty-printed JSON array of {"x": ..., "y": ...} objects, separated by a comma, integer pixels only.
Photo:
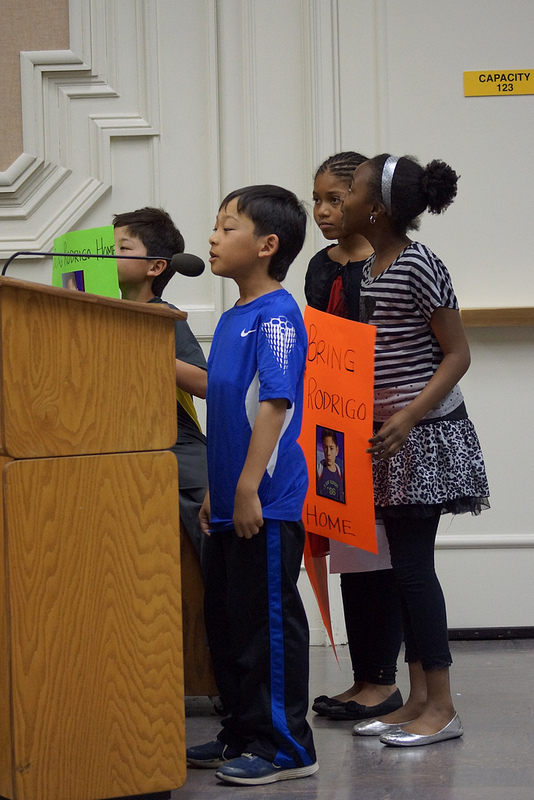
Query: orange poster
[{"x": 337, "y": 423}]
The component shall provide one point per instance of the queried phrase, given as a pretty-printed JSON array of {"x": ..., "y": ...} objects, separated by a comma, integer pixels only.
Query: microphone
[
  {"x": 187, "y": 264},
  {"x": 183, "y": 263}
]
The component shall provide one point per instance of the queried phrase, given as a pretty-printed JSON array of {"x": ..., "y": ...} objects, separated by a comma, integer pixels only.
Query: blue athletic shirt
[{"x": 258, "y": 353}]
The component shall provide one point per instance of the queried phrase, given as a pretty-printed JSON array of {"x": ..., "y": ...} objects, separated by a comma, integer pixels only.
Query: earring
[{"x": 372, "y": 220}]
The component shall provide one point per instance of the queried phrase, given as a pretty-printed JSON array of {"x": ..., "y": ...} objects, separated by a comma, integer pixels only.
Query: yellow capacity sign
[{"x": 505, "y": 82}]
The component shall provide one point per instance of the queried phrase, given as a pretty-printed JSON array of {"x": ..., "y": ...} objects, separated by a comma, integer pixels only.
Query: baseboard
[
  {"x": 152, "y": 796},
  {"x": 156, "y": 796},
  {"x": 464, "y": 634}
]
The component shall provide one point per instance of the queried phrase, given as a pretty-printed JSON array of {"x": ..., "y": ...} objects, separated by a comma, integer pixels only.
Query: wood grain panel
[
  {"x": 6, "y": 743},
  {"x": 95, "y": 606},
  {"x": 198, "y": 669},
  {"x": 84, "y": 376}
]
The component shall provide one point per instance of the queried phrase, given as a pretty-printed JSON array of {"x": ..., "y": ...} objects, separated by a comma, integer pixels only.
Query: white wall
[{"x": 176, "y": 102}]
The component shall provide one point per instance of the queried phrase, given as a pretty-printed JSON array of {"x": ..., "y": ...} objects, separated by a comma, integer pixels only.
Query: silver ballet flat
[
  {"x": 400, "y": 738},
  {"x": 373, "y": 727}
]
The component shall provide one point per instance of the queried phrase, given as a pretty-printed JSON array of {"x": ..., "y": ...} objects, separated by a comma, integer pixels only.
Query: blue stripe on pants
[{"x": 274, "y": 581}]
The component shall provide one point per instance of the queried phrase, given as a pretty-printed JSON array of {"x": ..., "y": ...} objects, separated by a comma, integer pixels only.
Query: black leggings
[
  {"x": 411, "y": 544},
  {"x": 373, "y": 618}
]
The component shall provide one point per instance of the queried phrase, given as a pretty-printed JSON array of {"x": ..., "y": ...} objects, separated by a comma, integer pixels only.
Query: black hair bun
[{"x": 439, "y": 184}]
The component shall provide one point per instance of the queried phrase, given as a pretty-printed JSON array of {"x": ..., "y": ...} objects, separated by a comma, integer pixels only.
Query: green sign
[{"x": 75, "y": 269}]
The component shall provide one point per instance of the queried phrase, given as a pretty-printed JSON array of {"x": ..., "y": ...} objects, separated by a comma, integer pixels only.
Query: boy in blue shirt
[{"x": 255, "y": 620}]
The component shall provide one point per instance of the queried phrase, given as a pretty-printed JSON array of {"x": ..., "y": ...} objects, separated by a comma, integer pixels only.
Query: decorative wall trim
[
  {"x": 250, "y": 109},
  {"x": 325, "y": 88},
  {"x": 66, "y": 164},
  {"x": 487, "y": 634},
  {"x": 382, "y": 72},
  {"x": 26, "y": 184},
  {"x": 326, "y": 99},
  {"x": 497, "y": 317},
  {"x": 211, "y": 314},
  {"x": 492, "y": 541},
  {"x": 489, "y": 542}
]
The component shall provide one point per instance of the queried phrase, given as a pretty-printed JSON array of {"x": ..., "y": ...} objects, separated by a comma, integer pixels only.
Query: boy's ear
[
  {"x": 269, "y": 245},
  {"x": 156, "y": 267}
]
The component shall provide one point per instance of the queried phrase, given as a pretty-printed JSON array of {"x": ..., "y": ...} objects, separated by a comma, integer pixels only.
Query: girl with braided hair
[{"x": 371, "y": 603}]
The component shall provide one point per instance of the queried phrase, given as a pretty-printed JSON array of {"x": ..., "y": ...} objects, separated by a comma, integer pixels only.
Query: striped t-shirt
[{"x": 400, "y": 302}]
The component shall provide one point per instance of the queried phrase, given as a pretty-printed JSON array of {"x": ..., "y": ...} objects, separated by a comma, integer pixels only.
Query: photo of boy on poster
[{"x": 330, "y": 458}]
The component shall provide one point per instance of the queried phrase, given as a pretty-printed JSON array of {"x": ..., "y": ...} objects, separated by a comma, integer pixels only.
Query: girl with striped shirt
[{"x": 426, "y": 455}]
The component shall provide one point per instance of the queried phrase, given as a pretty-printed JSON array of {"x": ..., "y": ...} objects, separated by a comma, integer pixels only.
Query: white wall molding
[
  {"x": 326, "y": 101},
  {"x": 209, "y": 315},
  {"x": 73, "y": 104},
  {"x": 325, "y": 87},
  {"x": 382, "y": 74},
  {"x": 492, "y": 541},
  {"x": 235, "y": 92},
  {"x": 26, "y": 184}
]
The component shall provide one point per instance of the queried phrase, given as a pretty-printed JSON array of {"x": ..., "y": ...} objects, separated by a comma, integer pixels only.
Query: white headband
[{"x": 387, "y": 181}]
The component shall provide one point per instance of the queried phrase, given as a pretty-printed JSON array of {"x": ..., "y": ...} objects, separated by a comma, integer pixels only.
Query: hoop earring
[{"x": 372, "y": 220}]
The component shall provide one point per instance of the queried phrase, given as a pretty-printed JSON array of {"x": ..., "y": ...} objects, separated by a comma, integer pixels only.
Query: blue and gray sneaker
[
  {"x": 253, "y": 770},
  {"x": 211, "y": 755}
]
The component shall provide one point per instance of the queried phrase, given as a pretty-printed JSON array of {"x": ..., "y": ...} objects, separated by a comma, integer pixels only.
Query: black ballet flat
[
  {"x": 323, "y": 704},
  {"x": 355, "y": 711}
]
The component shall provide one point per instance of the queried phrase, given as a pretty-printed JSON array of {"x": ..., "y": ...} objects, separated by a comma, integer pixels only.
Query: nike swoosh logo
[{"x": 246, "y": 333}]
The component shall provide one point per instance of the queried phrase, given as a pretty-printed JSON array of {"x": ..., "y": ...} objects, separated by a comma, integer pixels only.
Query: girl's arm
[
  {"x": 447, "y": 327},
  {"x": 191, "y": 379},
  {"x": 248, "y": 516}
]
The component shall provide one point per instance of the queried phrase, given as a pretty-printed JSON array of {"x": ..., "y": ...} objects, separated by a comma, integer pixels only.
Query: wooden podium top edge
[{"x": 159, "y": 309}]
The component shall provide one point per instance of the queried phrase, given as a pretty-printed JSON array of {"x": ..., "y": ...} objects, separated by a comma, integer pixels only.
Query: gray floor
[{"x": 494, "y": 694}]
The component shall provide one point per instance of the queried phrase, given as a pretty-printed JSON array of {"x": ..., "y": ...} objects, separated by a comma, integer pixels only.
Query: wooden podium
[{"x": 91, "y": 667}]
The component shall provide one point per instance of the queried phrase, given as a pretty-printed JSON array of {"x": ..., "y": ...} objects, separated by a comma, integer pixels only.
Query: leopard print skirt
[{"x": 440, "y": 464}]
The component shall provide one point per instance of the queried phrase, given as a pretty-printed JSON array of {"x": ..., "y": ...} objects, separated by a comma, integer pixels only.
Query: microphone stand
[{"x": 82, "y": 255}]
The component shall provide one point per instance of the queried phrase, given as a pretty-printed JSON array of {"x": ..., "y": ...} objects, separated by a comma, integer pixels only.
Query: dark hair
[
  {"x": 155, "y": 228},
  {"x": 273, "y": 209},
  {"x": 327, "y": 432},
  {"x": 414, "y": 189},
  {"x": 342, "y": 165}
]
